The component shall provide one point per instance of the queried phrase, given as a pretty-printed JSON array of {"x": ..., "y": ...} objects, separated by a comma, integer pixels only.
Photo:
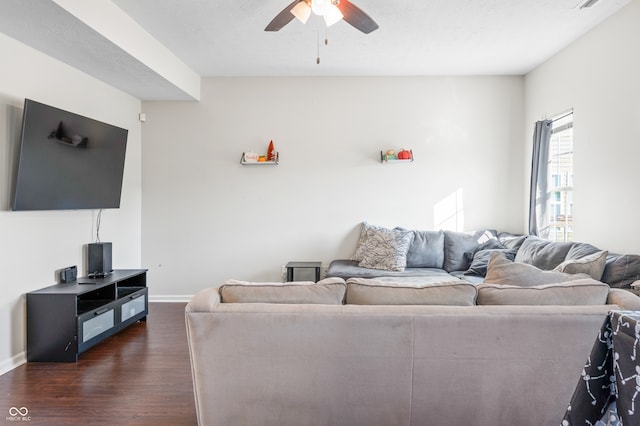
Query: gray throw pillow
[
  {"x": 426, "y": 250},
  {"x": 592, "y": 264},
  {"x": 480, "y": 260},
  {"x": 503, "y": 271},
  {"x": 542, "y": 254},
  {"x": 489, "y": 245},
  {"x": 456, "y": 244},
  {"x": 386, "y": 249}
]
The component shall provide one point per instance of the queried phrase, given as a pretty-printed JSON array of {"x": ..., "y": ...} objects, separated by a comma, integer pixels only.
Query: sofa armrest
[
  {"x": 625, "y": 299},
  {"x": 204, "y": 301}
]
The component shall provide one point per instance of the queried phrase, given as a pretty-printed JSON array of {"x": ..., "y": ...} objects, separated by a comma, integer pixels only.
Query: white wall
[
  {"x": 207, "y": 218},
  {"x": 33, "y": 245},
  {"x": 598, "y": 76}
]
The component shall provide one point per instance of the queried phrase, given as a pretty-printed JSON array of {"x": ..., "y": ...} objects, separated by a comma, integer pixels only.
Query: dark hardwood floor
[{"x": 141, "y": 376}]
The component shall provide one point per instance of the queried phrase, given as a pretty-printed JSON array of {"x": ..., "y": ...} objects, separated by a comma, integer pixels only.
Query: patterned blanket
[{"x": 608, "y": 391}]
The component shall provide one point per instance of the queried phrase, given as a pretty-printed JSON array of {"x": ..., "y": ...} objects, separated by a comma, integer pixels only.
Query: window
[{"x": 560, "y": 172}]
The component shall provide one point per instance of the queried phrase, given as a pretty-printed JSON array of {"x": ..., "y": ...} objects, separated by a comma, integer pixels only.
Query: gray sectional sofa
[
  {"x": 466, "y": 255},
  {"x": 256, "y": 362},
  {"x": 417, "y": 346}
]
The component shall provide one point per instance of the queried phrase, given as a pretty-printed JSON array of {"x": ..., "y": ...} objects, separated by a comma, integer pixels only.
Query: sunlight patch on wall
[{"x": 448, "y": 213}]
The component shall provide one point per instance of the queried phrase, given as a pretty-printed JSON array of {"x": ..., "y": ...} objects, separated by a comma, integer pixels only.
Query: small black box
[
  {"x": 99, "y": 259},
  {"x": 68, "y": 274}
]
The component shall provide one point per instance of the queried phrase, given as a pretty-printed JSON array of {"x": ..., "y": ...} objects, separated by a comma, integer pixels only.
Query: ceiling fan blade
[
  {"x": 282, "y": 18},
  {"x": 356, "y": 17}
]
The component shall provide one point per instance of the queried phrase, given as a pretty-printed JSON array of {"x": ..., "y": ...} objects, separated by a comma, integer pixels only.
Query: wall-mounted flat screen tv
[{"x": 68, "y": 161}]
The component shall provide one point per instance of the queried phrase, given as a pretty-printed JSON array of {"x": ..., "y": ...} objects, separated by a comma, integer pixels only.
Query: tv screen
[{"x": 68, "y": 161}]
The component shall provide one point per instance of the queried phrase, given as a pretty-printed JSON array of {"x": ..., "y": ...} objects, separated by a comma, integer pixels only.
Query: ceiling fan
[{"x": 332, "y": 11}]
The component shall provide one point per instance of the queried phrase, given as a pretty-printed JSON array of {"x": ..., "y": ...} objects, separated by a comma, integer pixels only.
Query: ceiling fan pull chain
[{"x": 318, "y": 43}]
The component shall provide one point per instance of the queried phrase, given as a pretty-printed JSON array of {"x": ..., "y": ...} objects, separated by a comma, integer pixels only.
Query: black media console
[{"x": 65, "y": 320}]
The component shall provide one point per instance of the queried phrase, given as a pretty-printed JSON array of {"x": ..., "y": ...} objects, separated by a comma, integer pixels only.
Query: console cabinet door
[
  {"x": 134, "y": 305},
  {"x": 94, "y": 324}
]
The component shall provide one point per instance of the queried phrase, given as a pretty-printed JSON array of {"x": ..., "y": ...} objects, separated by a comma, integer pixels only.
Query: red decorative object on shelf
[
  {"x": 271, "y": 156},
  {"x": 404, "y": 155}
]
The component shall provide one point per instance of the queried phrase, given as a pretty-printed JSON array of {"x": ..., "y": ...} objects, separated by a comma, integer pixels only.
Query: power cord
[{"x": 98, "y": 219}]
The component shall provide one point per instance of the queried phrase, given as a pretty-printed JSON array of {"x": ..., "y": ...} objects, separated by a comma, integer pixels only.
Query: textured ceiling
[
  {"x": 226, "y": 38},
  {"x": 433, "y": 37}
]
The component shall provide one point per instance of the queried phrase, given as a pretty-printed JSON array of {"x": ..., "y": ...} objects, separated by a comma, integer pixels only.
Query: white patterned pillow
[
  {"x": 366, "y": 229},
  {"x": 385, "y": 249}
]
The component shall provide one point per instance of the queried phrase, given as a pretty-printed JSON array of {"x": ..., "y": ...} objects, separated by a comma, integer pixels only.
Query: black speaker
[{"x": 99, "y": 259}]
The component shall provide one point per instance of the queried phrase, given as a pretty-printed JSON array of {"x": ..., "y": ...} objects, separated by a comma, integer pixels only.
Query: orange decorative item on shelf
[
  {"x": 404, "y": 155},
  {"x": 271, "y": 155}
]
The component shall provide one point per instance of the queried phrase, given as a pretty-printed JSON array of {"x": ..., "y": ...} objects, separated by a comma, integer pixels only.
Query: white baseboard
[
  {"x": 171, "y": 298},
  {"x": 13, "y": 362}
]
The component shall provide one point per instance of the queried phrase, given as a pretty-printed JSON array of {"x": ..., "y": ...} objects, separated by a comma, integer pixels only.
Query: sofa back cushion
[
  {"x": 621, "y": 270},
  {"x": 329, "y": 291},
  {"x": 542, "y": 254},
  {"x": 426, "y": 250},
  {"x": 591, "y": 264},
  {"x": 586, "y": 291},
  {"x": 417, "y": 291},
  {"x": 457, "y": 244},
  {"x": 511, "y": 241},
  {"x": 580, "y": 250}
]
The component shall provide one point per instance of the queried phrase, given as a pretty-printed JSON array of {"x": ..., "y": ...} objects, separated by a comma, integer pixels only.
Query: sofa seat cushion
[
  {"x": 586, "y": 291},
  {"x": 330, "y": 291},
  {"x": 503, "y": 271},
  {"x": 473, "y": 279},
  {"x": 343, "y": 268},
  {"x": 410, "y": 291}
]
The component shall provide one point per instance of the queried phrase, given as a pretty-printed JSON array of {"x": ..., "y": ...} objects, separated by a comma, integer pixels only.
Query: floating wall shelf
[
  {"x": 260, "y": 163},
  {"x": 385, "y": 159}
]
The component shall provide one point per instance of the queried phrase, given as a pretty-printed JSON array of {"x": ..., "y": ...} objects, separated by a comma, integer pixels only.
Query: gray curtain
[{"x": 539, "y": 192}]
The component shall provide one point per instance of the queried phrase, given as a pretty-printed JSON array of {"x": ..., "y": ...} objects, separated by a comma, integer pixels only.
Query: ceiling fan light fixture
[
  {"x": 301, "y": 11},
  {"x": 331, "y": 10},
  {"x": 320, "y": 7},
  {"x": 332, "y": 15}
]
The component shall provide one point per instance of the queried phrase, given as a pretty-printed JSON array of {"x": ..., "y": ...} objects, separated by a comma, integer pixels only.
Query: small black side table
[{"x": 293, "y": 265}]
